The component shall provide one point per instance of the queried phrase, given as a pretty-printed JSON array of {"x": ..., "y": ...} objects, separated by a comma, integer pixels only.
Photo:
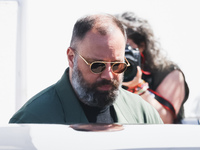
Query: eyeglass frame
[{"x": 105, "y": 62}]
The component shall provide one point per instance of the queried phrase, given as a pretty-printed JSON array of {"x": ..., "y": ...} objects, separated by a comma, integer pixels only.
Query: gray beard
[{"x": 89, "y": 94}]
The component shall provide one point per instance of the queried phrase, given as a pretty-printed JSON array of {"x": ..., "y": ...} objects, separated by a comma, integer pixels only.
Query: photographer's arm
[{"x": 171, "y": 88}]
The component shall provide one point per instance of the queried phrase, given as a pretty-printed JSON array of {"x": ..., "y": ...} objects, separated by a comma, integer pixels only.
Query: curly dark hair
[{"x": 140, "y": 31}]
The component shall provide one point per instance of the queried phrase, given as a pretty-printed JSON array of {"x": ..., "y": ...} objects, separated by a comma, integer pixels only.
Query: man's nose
[{"x": 107, "y": 73}]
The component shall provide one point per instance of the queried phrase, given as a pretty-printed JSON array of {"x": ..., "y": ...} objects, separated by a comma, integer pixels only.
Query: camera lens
[
  {"x": 130, "y": 72},
  {"x": 133, "y": 57}
]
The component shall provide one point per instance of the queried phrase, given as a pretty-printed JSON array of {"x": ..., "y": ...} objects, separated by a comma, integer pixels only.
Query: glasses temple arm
[
  {"x": 128, "y": 64},
  {"x": 84, "y": 59}
]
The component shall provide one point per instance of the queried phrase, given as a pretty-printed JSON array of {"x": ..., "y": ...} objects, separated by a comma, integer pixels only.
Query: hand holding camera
[
  {"x": 136, "y": 79},
  {"x": 133, "y": 75}
]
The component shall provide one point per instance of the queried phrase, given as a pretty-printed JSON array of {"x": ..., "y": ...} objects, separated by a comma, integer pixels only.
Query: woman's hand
[{"x": 136, "y": 80}]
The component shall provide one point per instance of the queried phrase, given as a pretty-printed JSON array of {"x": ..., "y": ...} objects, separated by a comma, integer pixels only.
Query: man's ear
[{"x": 70, "y": 56}]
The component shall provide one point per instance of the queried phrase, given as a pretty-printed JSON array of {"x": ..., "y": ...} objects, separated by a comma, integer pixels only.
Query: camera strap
[
  {"x": 164, "y": 102},
  {"x": 145, "y": 72}
]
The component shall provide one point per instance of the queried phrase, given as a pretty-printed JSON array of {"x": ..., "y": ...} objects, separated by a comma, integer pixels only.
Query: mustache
[{"x": 107, "y": 82}]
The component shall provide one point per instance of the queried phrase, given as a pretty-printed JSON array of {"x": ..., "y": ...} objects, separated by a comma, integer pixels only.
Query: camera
[{"x": 134, "y": 58}]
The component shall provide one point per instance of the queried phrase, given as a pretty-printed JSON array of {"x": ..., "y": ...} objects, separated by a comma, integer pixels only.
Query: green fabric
[{"x": 58, "y": 104}]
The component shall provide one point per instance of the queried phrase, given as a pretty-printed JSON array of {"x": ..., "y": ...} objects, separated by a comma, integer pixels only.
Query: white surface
[
  {"x": 8, "y": 30},
  {"x": 62, "y": 137}
]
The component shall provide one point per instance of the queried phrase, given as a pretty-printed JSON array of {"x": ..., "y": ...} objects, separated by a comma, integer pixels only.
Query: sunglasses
[{"x": 99, "y": 66}]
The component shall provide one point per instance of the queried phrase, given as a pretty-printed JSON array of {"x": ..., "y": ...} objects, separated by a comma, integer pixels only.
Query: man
[{"x": 90, "y": 89}]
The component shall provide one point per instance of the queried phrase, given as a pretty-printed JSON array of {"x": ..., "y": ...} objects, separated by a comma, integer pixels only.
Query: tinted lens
[
  {"x": 119, "y": 67},
  {"x": 98, "y": 67}
]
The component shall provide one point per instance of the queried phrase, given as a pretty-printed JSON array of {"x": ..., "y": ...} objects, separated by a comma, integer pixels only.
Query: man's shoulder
[
  {"x": 39, "y": 107},
  {"x": 44, "y": 93},
  {"x": 46, "y": 96},
  {"x": 141, "y": 110},
  {"x": 129, "y": 96}
]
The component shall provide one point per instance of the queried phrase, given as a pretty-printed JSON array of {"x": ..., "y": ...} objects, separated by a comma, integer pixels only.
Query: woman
[{"x": 158, "y": 80}]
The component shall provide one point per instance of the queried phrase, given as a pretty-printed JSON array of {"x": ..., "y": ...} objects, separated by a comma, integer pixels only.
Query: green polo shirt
[{"x": 58, "y": 104}]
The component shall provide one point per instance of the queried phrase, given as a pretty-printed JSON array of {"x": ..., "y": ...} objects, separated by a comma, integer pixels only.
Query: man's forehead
[{"x": 112, "y": 37}]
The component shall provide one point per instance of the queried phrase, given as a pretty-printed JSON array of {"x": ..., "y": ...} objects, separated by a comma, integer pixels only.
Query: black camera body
[{"x": 134, "y": 58}]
